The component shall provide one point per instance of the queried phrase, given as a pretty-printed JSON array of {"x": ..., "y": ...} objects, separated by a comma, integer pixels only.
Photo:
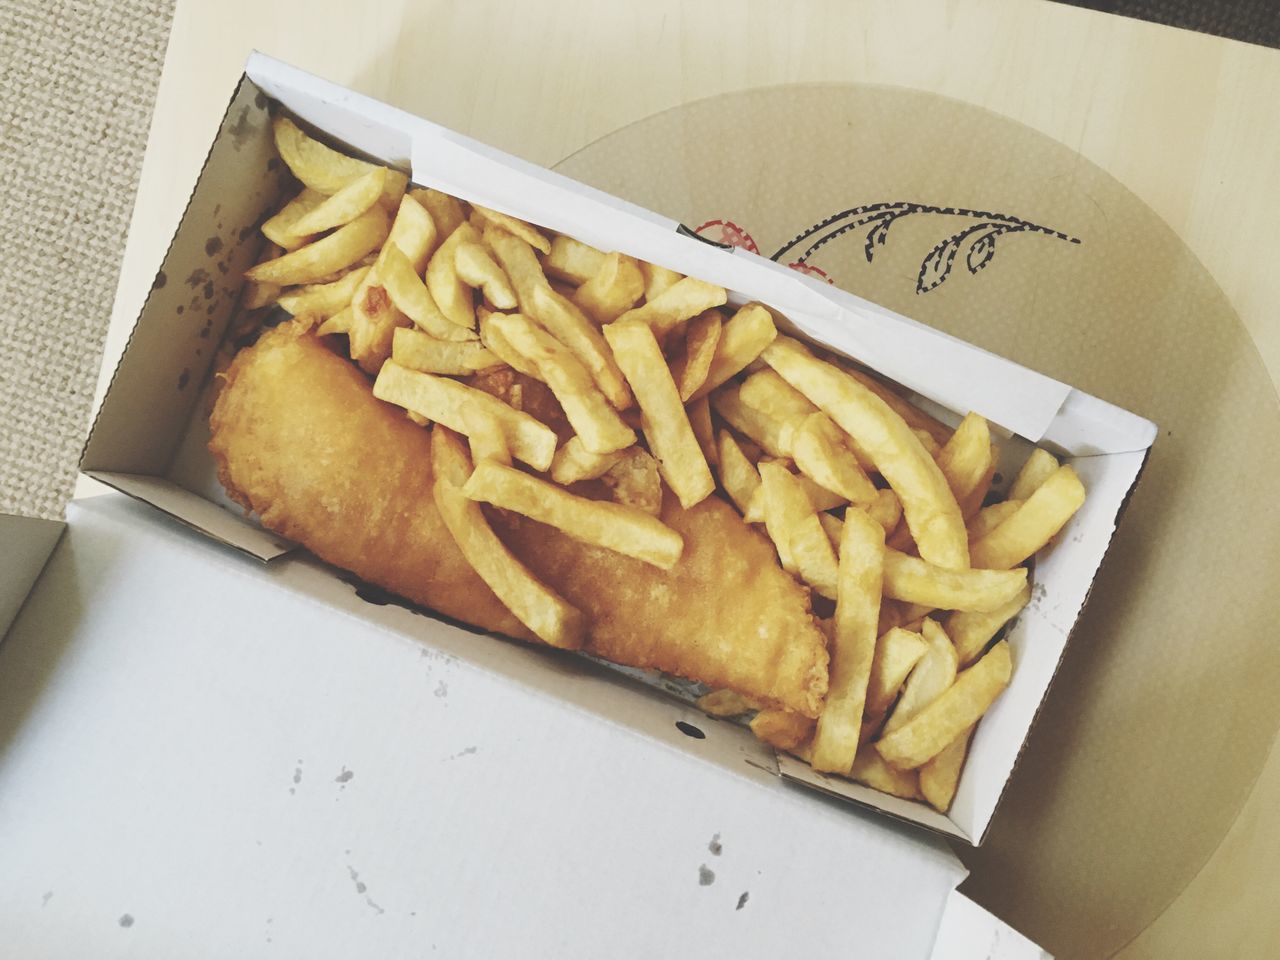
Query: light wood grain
[{"x": 1187, "y": 122}]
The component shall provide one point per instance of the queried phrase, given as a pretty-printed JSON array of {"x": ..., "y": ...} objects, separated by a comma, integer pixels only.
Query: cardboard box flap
[
  {"x": 25, "y": 545},
  {"x": 968, "y": 932},
  {"x": 506, "y": 788},
  {"x": 1086, "y": 426}
]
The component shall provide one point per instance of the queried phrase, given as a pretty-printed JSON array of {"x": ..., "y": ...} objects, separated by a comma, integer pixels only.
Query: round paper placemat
[{"x": 1162, "y": 713}]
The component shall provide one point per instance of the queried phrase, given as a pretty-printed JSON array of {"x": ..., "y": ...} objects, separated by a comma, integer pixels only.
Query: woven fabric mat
[{"x": 77, "y": 85}]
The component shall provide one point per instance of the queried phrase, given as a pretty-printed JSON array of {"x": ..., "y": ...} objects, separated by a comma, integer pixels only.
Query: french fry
[
  {"x": 833, "y": 526},
  {"x": 870, "y": 770},
  {"x": 941, "y": 775},
  {"x": 665, "y": 423},
  {"x": 448, "y": 290},
  {"x": 742, "y": 339},
  {"x": 573, "y": 261},
  {"x": 765, "y": 391},
  {"x": 570, "y": 326},
  {"x": 820, "y": 497},
  {"x": 724, "y": 703},
  {"x": 515, "y": 227},
  {"x": 1033, "y": 524},
  {"x": 417, "y": 351},
  {"x": 484, "y": 436},
  {"x": 814, "y": 557},
  {"x": 861, "y": 567},
  {"x": 681, "y": 301},
  {"x": 340, "y": 322},
  {"x": 820, "y": 454},
  {"x": 972, "y": 503},
  {"x": 793, "y": 525},
  {"x": 534, "y": 604},
  {"x": 497, "y": 344},
  {"x": 885, "y": 509},
  {"x": 337, "y": 251},
  {"x": 588, "y": 412},
  {"x": 634, "y": 481},
  {"x": 477, "y": 269},
  {"x": 971, "y": 632},
  {"x": 738, "y": 475},
  {"x": 324, "y": 169},
  {"x": 657, "y": 280},
  {"x": 612, "y": 290},
  {"x": 280, "y": 229},
  {"x": 691, "y": 367},
  {"x": 699, "y": 412},
  {"x": 915, "y": 418},
  {"x": 931, "y": 511},
  {"x": 966, "y": 456},
  {"x": 255, "y": 296},
  {"x": 935, "y": 672},
  {"x": 897, "y": 653},
  {"x": 410, "y": 296},
  {"x": 763, "y": 428},
  {"x": 444, "y": 401},
  {"x": 946, "y": 717},
  {"x": 573, "y": 463},
  {"x": 446, "y": 212},
  {"x": 323, "y": 300},
  {"x": 988, "y": 518},
  {"x": 1038, "y": 467},
  {"x": 345, "y": 205},
  {"x": 781, "y": 729},
  {"x": 917, "y": 581},
  {"x": 610, "y": 525}
]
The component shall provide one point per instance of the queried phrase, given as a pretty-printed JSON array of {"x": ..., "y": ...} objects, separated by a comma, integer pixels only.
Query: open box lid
[{"x": 249, "y": 785}]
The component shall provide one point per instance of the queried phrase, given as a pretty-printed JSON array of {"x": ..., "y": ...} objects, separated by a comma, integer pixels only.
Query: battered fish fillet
[{"x": 299, "y": 438}]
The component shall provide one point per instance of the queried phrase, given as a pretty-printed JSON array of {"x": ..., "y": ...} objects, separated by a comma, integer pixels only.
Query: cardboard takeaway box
[{"x": 148, "y": 440}]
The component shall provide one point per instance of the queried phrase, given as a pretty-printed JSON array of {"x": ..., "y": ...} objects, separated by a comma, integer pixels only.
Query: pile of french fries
[{"x": 881, "y": 510}]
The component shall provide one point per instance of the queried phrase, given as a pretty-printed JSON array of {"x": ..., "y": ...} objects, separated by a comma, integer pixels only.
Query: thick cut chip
[
  {"x": 820, "y": 497},
  {"x": 785, "y": 508},
  {"x": 446, "y": 211},
  {"x": 935, "y": 672},
  {"x": 782, "y": 729},
  {"x": 665, "y": 423},
  {"x": 870, "y": 770},
  {"x": 897, "y": 653},
  {"x": 916, "y": 418},
  {"x": 768, "y": 393},
  {"x": 322, "y": 300},
  {"x": 764, "y": 428},
  {"x": 588, "y": 412},
  {"x": 817, "y": 445},
  {"x": 345, "y": 205},
  {"x": 280, "y": 229},
  {"x": 570, "y": 326},
  {"x": 941, "y": 775},
  {"x": 634, "y": 481},
  {"x": 612, "y": 290},
  {"x": 574, "y": 462},
  {"x": 1033, "y": 524},
  {"x": 814, "y": 557},
  {"x": 495, "y": 342},
  {"x": 971, "y": 632},
  {"x": 835, "y": 743},
  {"x": 885, "y": 509},
  {"x": 535, "y": 604},
  {"x": 725, "y": 703},
  {"x": 418, "y": 351},
  {"x": 691, "y": 367},
  {"x": 918, "y": 581},
  {"x": 515, "y": 227},
  {"x": 658, "y": 280},
  {"x": 988, "y": 518},
  {"x": 485, "y": 437},
  {"x": 738, "y": 475},
  {"x": 337, "y": 251},
  {"x": 699, "y": 412},
  {"x": 573, "y": 261},
  {"x": 742, "y": 339},
  {"x": 971, "y": 504},
  {"x": 324, "y": 169},
  {"x": 965, "y": 459},
  {"x": 1037, "y": 469},
  {"x": 625, "y": 530},
  {"x": 477, "y": 269},
  {"x": 444, "y": 401},
  {"x": 931, "y": 511},
  {"x": 340, "y": 322},
  {"x": 947, "y": 716},
  {"x": 834, "y": 527},
  {"x": 450, "y": 292},
  {"x": 520, "y": 264},
  {"x": 410, "y": 296},
  {"x": 680, "y": 302}
]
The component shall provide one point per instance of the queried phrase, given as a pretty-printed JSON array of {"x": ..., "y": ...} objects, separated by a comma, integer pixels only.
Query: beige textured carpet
[{"x": 77, "y": 85}]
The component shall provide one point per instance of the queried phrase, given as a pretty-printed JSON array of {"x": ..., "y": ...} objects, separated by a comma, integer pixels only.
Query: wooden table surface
[{"x": 1187, "y": 122}]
